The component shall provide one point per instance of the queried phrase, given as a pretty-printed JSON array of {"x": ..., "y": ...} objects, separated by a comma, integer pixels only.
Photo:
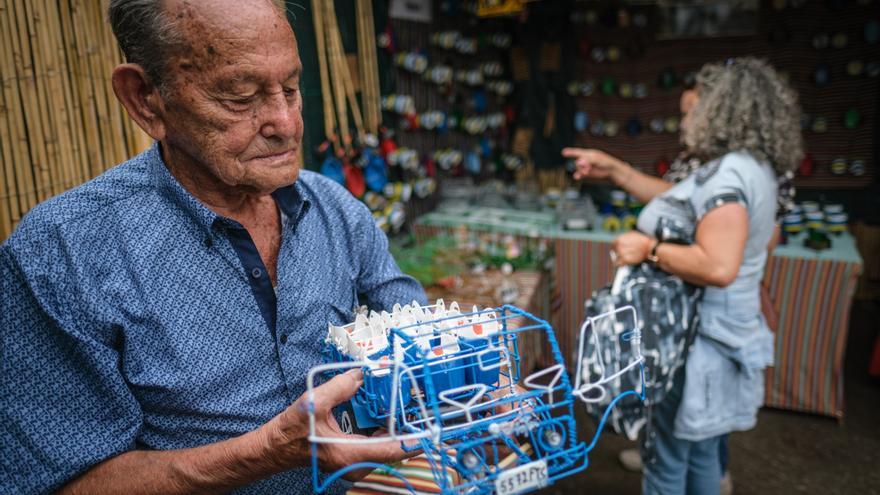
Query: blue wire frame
[{"x": 483, "y": 434}]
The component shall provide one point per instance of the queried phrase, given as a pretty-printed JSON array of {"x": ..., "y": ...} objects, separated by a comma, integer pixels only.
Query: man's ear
[{"x": 141, "y": 99}]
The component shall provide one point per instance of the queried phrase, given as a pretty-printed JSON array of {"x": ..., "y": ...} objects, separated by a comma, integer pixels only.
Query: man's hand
[{"x": 288, "y": 432}]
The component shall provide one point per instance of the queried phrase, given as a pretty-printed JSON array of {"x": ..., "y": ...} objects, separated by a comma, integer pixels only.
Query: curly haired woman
[{"x": 744, "y": 127}]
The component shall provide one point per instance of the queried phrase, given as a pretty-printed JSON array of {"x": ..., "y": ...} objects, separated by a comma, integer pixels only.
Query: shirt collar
[{"x": 290, "y": 199}]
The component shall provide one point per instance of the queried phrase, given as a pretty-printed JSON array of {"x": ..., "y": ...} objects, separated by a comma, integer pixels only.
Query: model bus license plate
[{"x": 527, "y": 477}]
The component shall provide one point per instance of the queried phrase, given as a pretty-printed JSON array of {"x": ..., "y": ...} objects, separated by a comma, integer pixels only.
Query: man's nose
[{"x": 278, "y": 117}]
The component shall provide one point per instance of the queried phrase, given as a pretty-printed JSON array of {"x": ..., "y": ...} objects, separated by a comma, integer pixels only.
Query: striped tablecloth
[{"x": 812, "y": 293}]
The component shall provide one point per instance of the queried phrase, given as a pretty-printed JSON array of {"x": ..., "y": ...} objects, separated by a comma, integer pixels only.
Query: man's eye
[
  {"x": 291, "y": 91},
  {"x": 239, "y": 103}
]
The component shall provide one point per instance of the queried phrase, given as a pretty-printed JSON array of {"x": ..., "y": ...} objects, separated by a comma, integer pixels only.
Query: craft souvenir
[
  {"x": 671, "y": 124},
  {"x": 598, "y": 54},
  {"x": 500, "y": 40},
  {"x": 656, "y": 125},
  {"x": 581, "y": 121},
  {"x": 633, "y": 127},
  {"x": 609, "y": 85},
  {"x": 623, "y": 18},
  {"x": 375, "y": 170},
  {"x": 400, "y": 104},
  {"x": 836, "y": 223},
  {"x": 412, "y": 61},
  {"x": 475, "y": 125},
  {"x": 822, "y": 75},
  {"x": 661, "y": 166},
  {"x": 851, "y": 118},
  {"x": 496, "y": 120},
  {"x": 611, "y": 128},
  {"x": 471, "y": 77},
  {"x": 838, "y": 166},
  {"x": 819, "y": 125},
  {"x": 432, "y": 380},
  {"x": 572, "y": 88},
  {"x": 857, "y": 167},
  {"x": 479, "y": 101},
  {"x": 500, "y": 88},
  {"x": 793, "y": 223},
  {"x": 445, "y": 39},
  {"x": 439, "y": 74},
  {"x": 431, "y": 120},
  {"x": 354, "y": 179},
  {"x": 492, "y": 69},
  {"x": 466, "y": 46},
  {"x": 613, "y": 54},
  {"x": 472, "y": 162},
  {"x": 855, "y": 68},
  {"x": 667, "y": 78},
  {"x": 626, "y": 90},
  {"x": 597, "y": 128},
  {"x": 810, "y": 206},
  {"x": 821, "y": 41},
  {"x": 839, "y": 40},
  {"x": 447, "y": 158},
  {"x": 806, "y": 166},
  {"x": 872, "y": 69},
  {"x": 815, "y": 220},
  {"x": 640, "y": 20},
  {"x": 424, "y": 187},
  {"x": 587, "y": 88},
  {"x": 331, "y": 167},
  {"x": 640, "y": 90},
  {"x": 512, "y": 161}
]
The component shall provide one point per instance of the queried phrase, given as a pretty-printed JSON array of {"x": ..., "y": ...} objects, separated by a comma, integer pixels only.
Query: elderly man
[{"x": 158, "y": 322}]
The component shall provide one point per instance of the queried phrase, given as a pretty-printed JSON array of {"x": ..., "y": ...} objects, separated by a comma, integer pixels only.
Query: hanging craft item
[
  {"x": 405, "y": 158},
  {"x": 375, "y": 170},
  {"x": 640, "y": 90},
  {"x": 581, "y": 121},
  {"x": 424, "y": 187},
  {"x": 492, "y": 69},
  {"x": 671, "y": 124},
  {"x": 855, "y": 68},
  {"x": 414, "y": 62},
  {"x": 447, "y": 159},
  {"x": 512, "y": 161},
  {"x": 633, "y": 127},
  {"x": 839, "y": 40},
  {"x": 472, "y": 162},
  {"x": 872, "y": 69},
  {"x": 501, "y": 41},
  {"x": 445, "y": 39},
  {"x": 851, "y": 118},
  {"x": 821, "y": 41},
  {"x": 597, "y": 128},
  {"x": 386, "y": 40},
  {"x": 838, "y": 166},
  {"x": 656, "y": 125},
  {"x": 354, "y": 179},
  {"x": 626, "y": 90},
  {"x": 613, "y": 54},
  {"x": 331, "y": 167},
  {"x": 399, "y": 104},
  {"x": 500, "y": 88},
  {"x": 806, "y": 166},
  {"x": 819, "y": 125},
  {"x": 470, "y": 77},
  {"x": 822, "y": 75},
  {"x": 431, "y": 120},
  {"x": 661, "y": 166},
  {"x": 597, "y": 54},
  {"x": 439, "y": 74},
  {"x": 609, "y": 85},
  {"x": 478, "y": 101},
  {"x": 611, "y": 128},
  {"x": 857, "y": 167},
  {"x": 667, "y": 78}
]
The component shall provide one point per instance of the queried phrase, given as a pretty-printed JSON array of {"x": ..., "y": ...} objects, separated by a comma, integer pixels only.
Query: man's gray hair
[{"x": 146, "y": 35}]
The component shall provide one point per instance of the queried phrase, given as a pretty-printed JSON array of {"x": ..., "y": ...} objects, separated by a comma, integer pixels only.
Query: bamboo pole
[
  {"x": 24, "y": 170},
  {"x": 326, "y": 93},
  {"x": 10, "y": 125}
]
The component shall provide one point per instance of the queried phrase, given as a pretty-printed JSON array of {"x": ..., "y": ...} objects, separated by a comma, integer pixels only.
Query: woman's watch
[{"x": 652, "y": 256}]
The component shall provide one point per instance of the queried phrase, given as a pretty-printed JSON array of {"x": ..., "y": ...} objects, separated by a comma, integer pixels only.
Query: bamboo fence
[{"x": 60, "y": 123}]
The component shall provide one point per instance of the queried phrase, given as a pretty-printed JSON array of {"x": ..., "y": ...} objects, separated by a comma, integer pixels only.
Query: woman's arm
[
  {"x": 600, "y": 165},
  {"x": 713, "y": 259}
]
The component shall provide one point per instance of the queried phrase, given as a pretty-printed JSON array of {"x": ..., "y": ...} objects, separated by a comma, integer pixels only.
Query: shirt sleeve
[
  {"x": 721, "y": 182},
  {"x": 380, "y": 283},
  {"x": 65, "y": 405}
]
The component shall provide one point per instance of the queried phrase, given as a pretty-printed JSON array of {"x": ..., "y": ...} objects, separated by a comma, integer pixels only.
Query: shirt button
[
  {"x": 209, "y": 242},
  {"x": 256, "y": 272},
  {"x": 283, "y": 338}
]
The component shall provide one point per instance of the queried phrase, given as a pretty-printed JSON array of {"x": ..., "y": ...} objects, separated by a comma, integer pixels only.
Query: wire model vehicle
[{"x": 449, "y": 384}]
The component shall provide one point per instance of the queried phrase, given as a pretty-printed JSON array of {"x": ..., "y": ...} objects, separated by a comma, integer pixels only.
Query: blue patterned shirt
[{"x": 133, "y": 317}]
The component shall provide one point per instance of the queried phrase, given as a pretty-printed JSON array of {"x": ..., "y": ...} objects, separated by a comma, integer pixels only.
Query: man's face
[{"x": 233, "y": 109}]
